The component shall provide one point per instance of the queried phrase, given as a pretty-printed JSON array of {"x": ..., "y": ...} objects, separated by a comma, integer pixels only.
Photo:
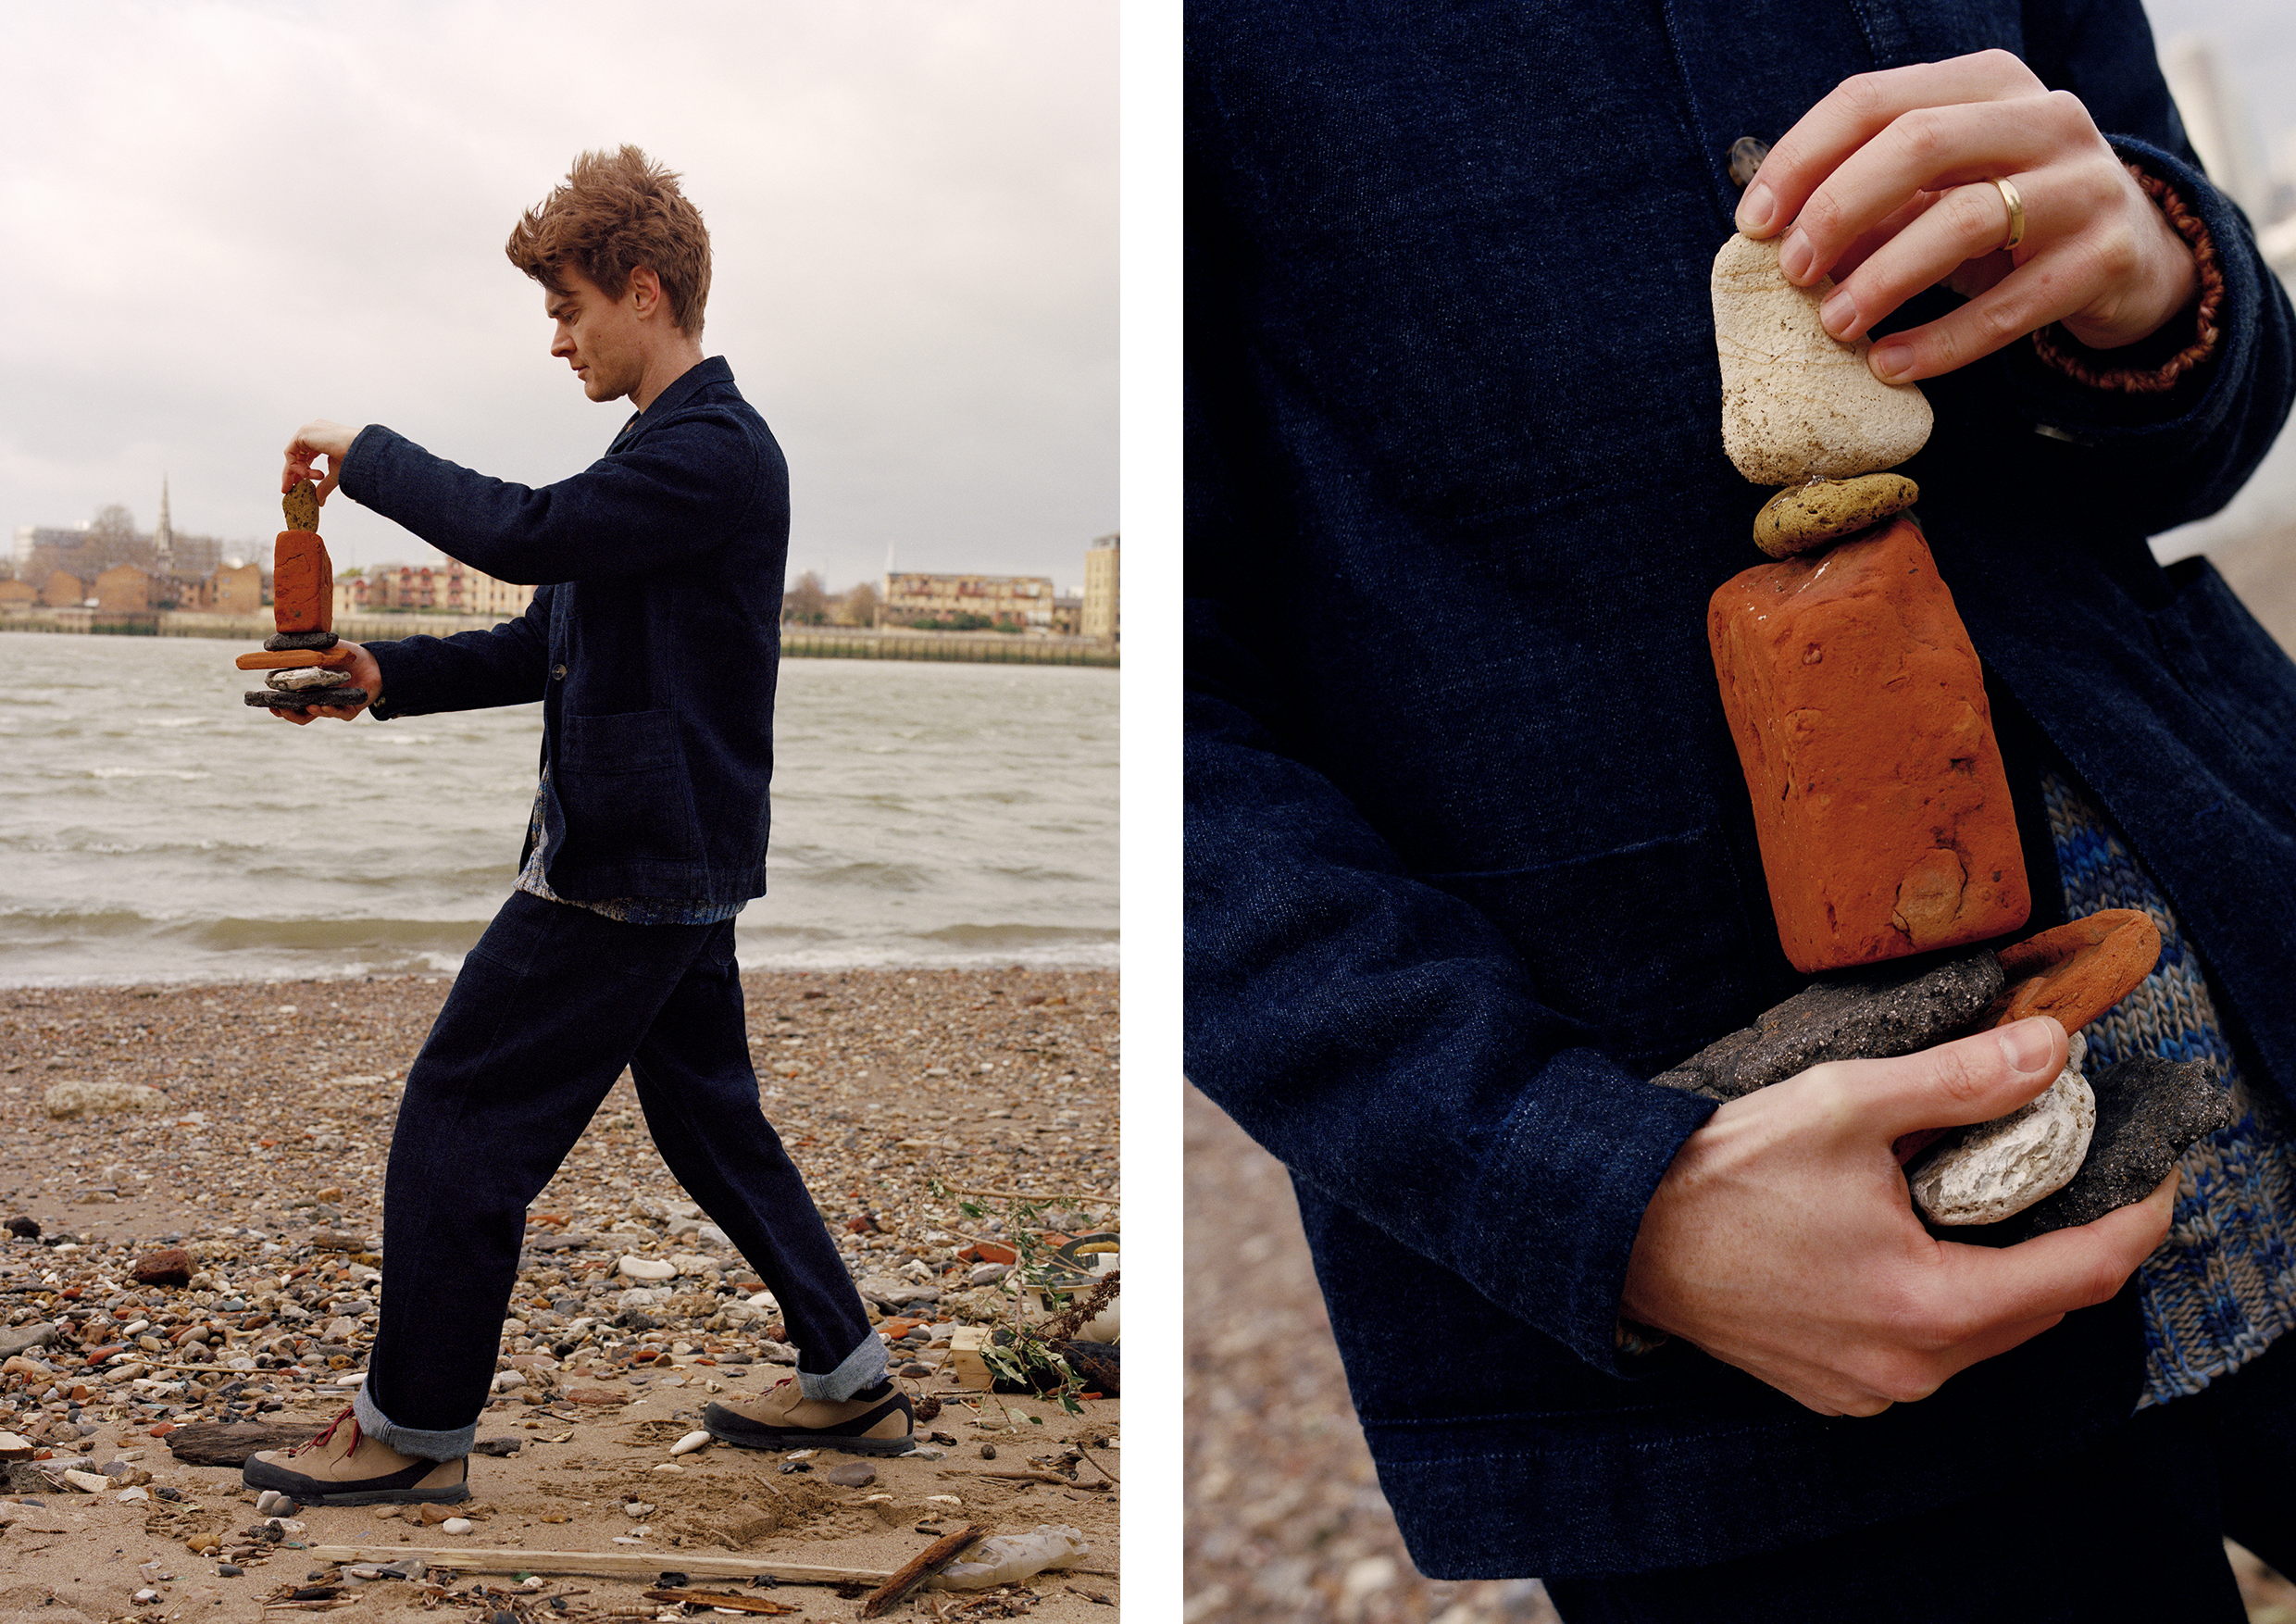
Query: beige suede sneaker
[
  {"x": 876, "y": 1422},
  {"x": 361, "y": 1472}
]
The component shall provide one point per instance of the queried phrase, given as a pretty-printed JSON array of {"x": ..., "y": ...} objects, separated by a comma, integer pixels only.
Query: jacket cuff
[
  {"x": 357, "y": 478},
  {"x": 1560, "y": 1199}
]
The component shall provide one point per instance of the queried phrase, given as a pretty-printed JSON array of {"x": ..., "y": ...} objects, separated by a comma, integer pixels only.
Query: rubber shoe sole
[
  {"x": 397, "y": 1488},
  {"x": 744, "y": 1433}
]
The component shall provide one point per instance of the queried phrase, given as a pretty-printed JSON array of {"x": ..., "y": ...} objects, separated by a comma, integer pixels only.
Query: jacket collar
[{"x": 682, "y": 388}]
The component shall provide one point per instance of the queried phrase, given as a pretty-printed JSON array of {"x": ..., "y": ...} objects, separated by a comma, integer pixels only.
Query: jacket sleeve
[
  {"x": 675, "y": 492},
  {"x": 1376, "y": 1034},
  {"x": 2166, "y": 458},
  {"x": 470, "y": 670}
]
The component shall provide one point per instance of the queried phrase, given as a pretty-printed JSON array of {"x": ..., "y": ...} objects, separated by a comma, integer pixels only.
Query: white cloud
[{"x": 224, "y": 217}]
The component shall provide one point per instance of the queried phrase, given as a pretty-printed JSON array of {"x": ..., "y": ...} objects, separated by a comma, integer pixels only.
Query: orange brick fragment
[
  {"x": 2078, "y": 970},
  {"x": 303, "y": 583},
  {"x": 283, "y": 660},
  {"x": 1858, "y": 708}
]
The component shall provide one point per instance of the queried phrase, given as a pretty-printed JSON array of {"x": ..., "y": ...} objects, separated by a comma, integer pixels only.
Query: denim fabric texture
[
  {"x": 550, "y": 1006},
  {"x": 1468, "y": 849},
  {"x": 2130, "y": 1530},
  {"x": 652, "y": 641}
]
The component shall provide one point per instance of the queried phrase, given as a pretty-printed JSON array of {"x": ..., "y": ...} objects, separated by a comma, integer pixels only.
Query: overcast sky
[{"x": 224, "y": 217}]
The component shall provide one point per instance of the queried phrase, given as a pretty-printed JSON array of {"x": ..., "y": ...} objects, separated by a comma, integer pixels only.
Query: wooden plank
[
  {"x": 919, "y": 1569},
  {"x": 603, "y": 1564}
]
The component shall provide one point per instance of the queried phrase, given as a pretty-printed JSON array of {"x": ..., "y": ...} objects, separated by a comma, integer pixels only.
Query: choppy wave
[{"x": 925, "y": 814}]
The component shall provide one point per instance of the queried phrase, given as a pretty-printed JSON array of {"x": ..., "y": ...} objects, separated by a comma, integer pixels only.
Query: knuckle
[
  {"x": 1863, "y": 94},
  {"x": 1920, "y": 134},
  {"x": 1958, "y": 1076}
]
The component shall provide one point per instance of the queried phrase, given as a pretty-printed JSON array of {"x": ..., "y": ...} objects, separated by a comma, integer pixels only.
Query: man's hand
[
  {"x": 1782, "y": 1240},
  {"x": 1887, "y": 185},
  {"x": 365, "y": 673},
  {"x": 315, "y": 438}
]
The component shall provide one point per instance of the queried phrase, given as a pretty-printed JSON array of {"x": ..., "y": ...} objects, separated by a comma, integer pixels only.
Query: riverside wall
[{"x": 845, "y": 643}]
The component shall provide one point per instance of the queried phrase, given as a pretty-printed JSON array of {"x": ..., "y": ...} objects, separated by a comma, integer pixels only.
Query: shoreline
[{"x": 263, "y": 1160}]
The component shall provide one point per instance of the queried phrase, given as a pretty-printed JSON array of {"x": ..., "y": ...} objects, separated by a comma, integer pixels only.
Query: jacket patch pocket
[
  {"x": 1649, "y": 946},
  {"x": 621, "y": 784}
]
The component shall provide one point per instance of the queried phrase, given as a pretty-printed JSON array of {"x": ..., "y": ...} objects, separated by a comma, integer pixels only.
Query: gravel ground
[
  {"x": 1285, "y": 1519},
  {"x": 257, "y": 1151}
]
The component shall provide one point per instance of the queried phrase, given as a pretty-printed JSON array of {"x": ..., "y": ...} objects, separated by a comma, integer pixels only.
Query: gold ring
[{"x": 2017, "y": 214}]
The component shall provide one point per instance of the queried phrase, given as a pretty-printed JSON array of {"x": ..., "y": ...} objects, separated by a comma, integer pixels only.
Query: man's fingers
[
  {"x": 1934, "y": 149},
  {"x": 2054, "y": 1274},
  {"x": 1971, "y": 1080},
  {"x": 1854, "y": 113}
]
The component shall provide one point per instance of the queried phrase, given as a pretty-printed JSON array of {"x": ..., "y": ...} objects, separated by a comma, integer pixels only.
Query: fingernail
[
  {"x": 2028, "y": 1044},
  {"x": 1839, "y": 313},
  {"x": 1755, "y": 208},
  {"x": 1892, "y": 359}
]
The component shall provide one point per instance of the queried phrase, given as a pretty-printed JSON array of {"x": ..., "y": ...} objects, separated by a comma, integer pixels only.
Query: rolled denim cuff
[
  {"x": 450, "y": 1444},
  {"x": 862, "y": 1369}
]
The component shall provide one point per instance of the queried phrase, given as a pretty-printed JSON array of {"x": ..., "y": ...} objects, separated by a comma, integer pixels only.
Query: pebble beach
[{"x": 937, "y": 1115}]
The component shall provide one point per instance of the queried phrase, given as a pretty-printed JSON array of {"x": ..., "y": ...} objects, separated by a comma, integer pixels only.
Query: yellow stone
[{"x": 1806, "y": 516}]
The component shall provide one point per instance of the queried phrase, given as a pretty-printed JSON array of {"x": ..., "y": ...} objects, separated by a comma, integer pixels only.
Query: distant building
[
  {"x": 18, "y": 594},
  {"x": 967, "y": 602},
  {"x": 1104, "y": 616},
  {"x": 453, "y": 587},
  {"x": 176, "y": 562},
  {"x": 1068, "y": 616},
  {"x": 236, "y": 589},
  {"x": 62, "y": 591},
  {"x": 123, "y": 590}
]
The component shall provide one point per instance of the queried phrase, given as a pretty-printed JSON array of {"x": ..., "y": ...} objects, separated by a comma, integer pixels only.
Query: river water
[{"x": 154, "y": 828}]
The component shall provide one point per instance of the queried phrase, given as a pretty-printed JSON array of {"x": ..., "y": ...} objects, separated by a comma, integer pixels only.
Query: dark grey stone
[
  {"x": 2150, "y": 1111},
  {"x": 278, "y": 642},
  {"x": 274, "y": 701},
  {"x": 1862, "y": 1015}
]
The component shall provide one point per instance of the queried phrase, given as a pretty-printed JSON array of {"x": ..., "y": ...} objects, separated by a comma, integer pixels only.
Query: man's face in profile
[{"x": 599, "y": 337}]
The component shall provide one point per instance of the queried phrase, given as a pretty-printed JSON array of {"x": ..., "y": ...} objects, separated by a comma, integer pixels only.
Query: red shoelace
[{"x": 347, "y": 1415}]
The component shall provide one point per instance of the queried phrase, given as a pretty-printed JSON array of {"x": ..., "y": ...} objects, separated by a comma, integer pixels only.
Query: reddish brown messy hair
[{"x": 613, "y": 213}]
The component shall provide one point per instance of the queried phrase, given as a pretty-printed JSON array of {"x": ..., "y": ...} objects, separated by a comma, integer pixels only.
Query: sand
[{"x": 263, "y": 1158}]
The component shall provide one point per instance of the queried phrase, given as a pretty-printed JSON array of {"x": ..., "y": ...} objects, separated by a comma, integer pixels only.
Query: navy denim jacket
[
  {"x": 652, "y": 641},
  {"x": 1469, "y": 851}
]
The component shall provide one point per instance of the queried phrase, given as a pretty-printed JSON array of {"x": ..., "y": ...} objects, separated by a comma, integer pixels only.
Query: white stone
[
  {"x": 1997, "y": 1170},
  {"x": 87, "y": 1482},
  {"x": 635, "y": 1267},
  {"x": 690, "y": 1443},
  {"x": 66, "y": 1100},
  {"x": 455, "y": 1525},
  {"x": 1796, "y": 400}
]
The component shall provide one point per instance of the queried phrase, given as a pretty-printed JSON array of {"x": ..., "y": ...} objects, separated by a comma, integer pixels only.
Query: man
[
  {"x": 1470, "y": 854},
  {"x": 651, "y": 644}
]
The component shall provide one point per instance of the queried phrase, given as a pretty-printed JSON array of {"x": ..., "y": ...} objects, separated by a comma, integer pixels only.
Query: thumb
[{"x": 1971, "y": 1080}]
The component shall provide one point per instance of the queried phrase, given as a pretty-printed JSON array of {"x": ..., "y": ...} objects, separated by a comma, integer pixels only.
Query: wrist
[{"x": 2189, "y": 287}]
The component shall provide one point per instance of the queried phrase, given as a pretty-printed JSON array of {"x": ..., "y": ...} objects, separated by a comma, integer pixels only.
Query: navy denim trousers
[
  {"x": 2130, "y": 1530},
  {"x": 553, "y": 1001}
]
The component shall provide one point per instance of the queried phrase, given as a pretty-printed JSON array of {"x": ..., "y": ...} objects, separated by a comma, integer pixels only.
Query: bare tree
[
  {"x": 860, "y": 606},
  {"x": 806, "y": 603}
]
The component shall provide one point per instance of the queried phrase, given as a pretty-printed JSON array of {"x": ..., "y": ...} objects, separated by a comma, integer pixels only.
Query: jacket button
[
  {"x": 1746, "y": 154},
  {"x": 557, "y": 671}
]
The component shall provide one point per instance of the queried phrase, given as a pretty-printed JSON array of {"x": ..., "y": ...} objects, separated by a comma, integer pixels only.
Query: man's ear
[{"x": 645, "y": 290}]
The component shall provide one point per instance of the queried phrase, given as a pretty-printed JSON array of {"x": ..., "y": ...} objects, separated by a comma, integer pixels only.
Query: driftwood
[
  {"x": 919, "y": 1569},
  {"x": 605, "y": 1565},
  {"x": 230, "y": 1443},
  {"x": 708, "y": 1598}
]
